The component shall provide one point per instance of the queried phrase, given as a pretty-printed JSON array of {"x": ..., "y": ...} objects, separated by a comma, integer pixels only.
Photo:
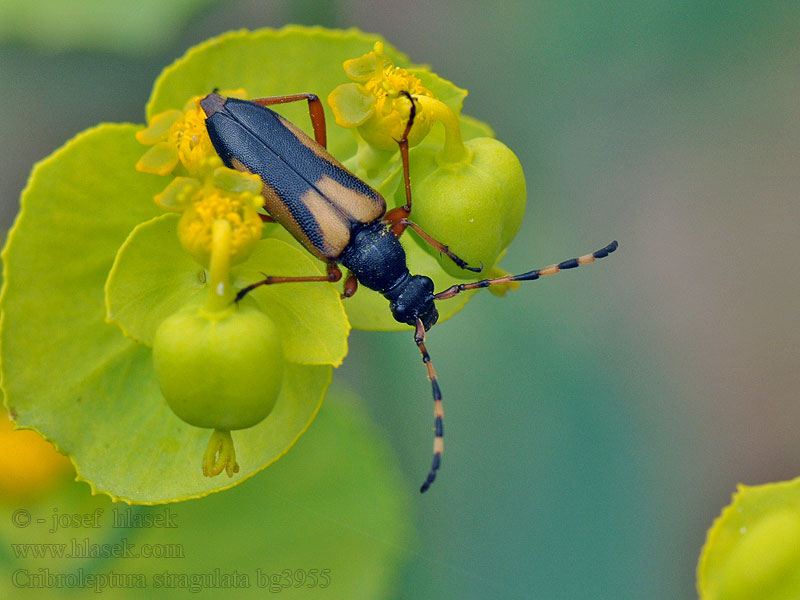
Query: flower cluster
[
  {"x": 204, "y": 191},
  {"x": 374, "y": 102}
]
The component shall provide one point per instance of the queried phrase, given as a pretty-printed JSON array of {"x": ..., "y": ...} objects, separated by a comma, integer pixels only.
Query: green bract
[
  {"x": 93, "y": 267},
  {"x": 753, "y": 548},
  {"x": 476, "y": 206}
]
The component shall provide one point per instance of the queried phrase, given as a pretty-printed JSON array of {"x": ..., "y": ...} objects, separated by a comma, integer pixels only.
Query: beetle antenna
[
  {"x": 530, "y": 275},
  {"x": 438, "y": 409}
]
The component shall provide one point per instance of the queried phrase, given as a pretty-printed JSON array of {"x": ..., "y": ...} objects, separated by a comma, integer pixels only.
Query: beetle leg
[
  {"x": 530, "y": 275},
  {"x": 438, "y": 409},
  {"x": 350, "y": 286},
  {"x": 404, "y": 151},
  {"x": 397, "y": 218},
  {"x": 334, "y": 275},
  {"x": 314, "y": 109},
  {"x": 394, "y": 218},
  {"x": 444, "y": 249}
]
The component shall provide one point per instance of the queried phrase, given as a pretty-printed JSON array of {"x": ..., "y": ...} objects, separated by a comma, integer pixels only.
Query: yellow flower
[
  {"x": 212, "y": 203},
  {"x": 375, "y": 103},
  {"x": 29, "y": 466},
  {"x": 211, "y": 192}
]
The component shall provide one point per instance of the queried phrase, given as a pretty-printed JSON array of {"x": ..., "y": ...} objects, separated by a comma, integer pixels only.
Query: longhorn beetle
[{"x": 340, "y": 219}]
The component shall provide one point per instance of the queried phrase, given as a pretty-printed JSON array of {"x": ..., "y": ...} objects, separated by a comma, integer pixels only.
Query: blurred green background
[{"x": 597, "y": 422}]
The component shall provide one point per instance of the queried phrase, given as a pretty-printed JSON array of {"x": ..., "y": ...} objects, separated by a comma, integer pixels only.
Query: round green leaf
[
  {"x": 158, "y": 457},
  {"x": 74, "y": 377},
  {"x": 753, "y": 548},
  {"x": 310, "y": 315},
  {"x": 337, "y": 501},
  {"x": 73, "y": 218}
]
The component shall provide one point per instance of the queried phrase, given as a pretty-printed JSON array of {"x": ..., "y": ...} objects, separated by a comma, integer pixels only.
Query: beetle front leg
[
  {"x": 395, "y": 218},
  {"x": 315, "y": 110}
]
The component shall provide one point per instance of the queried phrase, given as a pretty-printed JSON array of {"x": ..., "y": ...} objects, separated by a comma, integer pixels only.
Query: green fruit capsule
[
  {"x": 474, "y": 207},
  {"x": 221, "y": 370}
]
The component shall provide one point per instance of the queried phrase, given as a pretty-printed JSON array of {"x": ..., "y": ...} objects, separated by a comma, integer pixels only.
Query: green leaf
[
  {"x": 337, "y": 501},
  {"x": 75, "y": 378},
  {"x": 73, "y": 218},
  {"x": 153, "y": 277},
  {"x": 753, "y": 548},
  {"x": 162, "y": 461}
]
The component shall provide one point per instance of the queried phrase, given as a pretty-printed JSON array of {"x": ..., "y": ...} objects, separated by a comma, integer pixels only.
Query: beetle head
[{"x": 415, "y": 301}]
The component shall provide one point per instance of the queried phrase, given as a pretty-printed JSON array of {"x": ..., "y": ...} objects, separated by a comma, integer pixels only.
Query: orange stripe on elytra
[{"x": 354, "y": 204}]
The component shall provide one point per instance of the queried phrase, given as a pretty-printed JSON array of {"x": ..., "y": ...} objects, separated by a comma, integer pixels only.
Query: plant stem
[
  {"x": 454, "y": 153},
  {"x": 220, "y": 292}
]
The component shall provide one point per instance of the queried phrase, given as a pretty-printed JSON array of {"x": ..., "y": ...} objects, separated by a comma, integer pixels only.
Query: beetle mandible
[{"x": 341, "y": 220}]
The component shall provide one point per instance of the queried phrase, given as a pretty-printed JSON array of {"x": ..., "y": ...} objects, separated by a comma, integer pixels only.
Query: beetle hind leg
[{"x": 334, "y": 275}]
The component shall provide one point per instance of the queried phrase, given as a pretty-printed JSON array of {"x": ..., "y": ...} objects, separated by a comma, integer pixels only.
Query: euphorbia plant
[{"x": 110, "y": 307}]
